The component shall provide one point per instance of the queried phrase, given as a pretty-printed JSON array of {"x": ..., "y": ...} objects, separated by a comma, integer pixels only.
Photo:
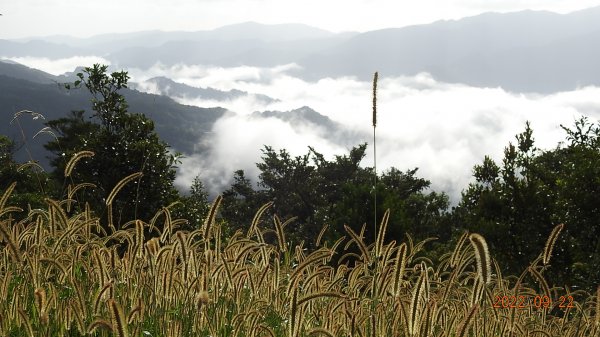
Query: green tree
[
  {"x": 194, "y": 206},
  {"x": 335, "y": 192},
  {"x": 33, "y": 184},
  {"x": 516, "y": 204},
  {"x": 241, "y": 201},
  {"x": 123, "y": 143}
]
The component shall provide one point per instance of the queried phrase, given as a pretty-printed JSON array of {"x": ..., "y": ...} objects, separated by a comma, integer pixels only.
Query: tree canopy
[
  {"x": 123, "y": 143},
  {"x": 335, "y": 193},
  {"x": 515, "y": 204}
]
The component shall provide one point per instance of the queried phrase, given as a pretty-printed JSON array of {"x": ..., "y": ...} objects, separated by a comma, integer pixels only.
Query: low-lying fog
[{"x": 441, "y": 128}]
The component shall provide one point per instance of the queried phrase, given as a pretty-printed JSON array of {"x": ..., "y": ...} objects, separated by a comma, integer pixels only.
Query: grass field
[{"x": 61, "y": 275}]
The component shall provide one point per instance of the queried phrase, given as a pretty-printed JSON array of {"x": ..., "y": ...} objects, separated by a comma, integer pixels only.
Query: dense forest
[{"x": 115, "y": 167}]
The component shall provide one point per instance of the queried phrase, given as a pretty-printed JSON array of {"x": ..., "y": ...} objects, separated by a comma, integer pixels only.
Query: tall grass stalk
[{"x": 375, "y": 78}]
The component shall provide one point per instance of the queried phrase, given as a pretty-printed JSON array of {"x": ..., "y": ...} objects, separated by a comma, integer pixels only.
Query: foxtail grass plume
[
  {"x": 598, "y": 307},
  {"x": 550, "y": 243},
  {"x": 210, "y": 218},
  {"x": 76, "y": 157},
  {"x": 482, "y": 255},
  {"x": 464, "y": 326},
  {"x": 415, "y": 306},
  {"x": 375, "y": 78},
  {"x": 120, "y": 185}
]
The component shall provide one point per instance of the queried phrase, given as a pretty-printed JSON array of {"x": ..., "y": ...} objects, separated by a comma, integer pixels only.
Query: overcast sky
[{"x": 23, "y": 18}]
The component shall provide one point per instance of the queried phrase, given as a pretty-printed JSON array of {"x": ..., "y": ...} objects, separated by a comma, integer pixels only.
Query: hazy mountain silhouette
[
  {"x": 521, "y": 51},
  {"x": 181, "y": 126},
  {"x": 301, "y": 116},
  {"x": 531, "y": 51},
  {"x": 19, "y": 71},
  {"x": 40, "y": 48},
  {"x": 111, "y": 43},
  {"x": 306, "y": 117},
  {"x": 226, "y": 53},
  {"x": 165, "y": 86}
]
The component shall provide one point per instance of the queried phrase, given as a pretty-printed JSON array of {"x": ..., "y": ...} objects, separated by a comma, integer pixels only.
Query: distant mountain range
[
  {"x": 181, "y": 126},
  {"x": 22, "y": 88},
  {"x": 303, "y": 115},
  {"x": 527, "y": 51},
  {"x": 167, "y": 87}
]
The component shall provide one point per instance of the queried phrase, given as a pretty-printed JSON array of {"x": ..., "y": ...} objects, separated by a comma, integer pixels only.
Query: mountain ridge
[
  {"x": 181, "y": 126},
  {"x": 167, "y": 87},
  {"x": 523, "y": 51}
]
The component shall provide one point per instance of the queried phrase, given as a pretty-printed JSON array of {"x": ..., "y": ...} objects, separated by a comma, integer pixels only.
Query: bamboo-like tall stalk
[{"x": 375, "y": 77}]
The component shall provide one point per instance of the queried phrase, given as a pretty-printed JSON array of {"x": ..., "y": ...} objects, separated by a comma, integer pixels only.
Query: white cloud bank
[
  {"x": 443, "y": 129},
  {"x": 57, "y": 66}
]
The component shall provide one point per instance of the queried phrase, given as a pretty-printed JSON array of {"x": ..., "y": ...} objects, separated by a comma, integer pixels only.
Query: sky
[{"x": 84, "y": 18}]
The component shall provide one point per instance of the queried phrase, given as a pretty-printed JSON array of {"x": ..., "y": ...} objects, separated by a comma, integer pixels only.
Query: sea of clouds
[{"x": 444, "y": 129}]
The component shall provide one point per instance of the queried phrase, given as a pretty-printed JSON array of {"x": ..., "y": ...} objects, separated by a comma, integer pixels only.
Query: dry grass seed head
[
  {"x": 415, "y": 306},
  {"x": 375, "y": 78},
  {"x": 118, "y": 319},
  {"x": 120, "y": 185},
  {"x": 360, "y": 243},
  {"x": 135, "y": 312},
  {"x": 257, "y": 217},
  {"x": 320, "y": 236},
  {"x": 312, "y": 258},
  {"x": 550, "y": 243},
  {"x": 381, "y": 233},
  {"x": 598, "y": 307},
  {"x": 27, "y": 322},
  {"x": 399, "y": 267},
  {"x": 466, "y": 322},
  {"x": 280, "y": 234},
  {"x": 457, "y": 249},
  {"x": 6, "y": 195},
  {"x": 427, "y": 322},
  {"x": 210, "y": 218},
  {"x": 7, "y": 235},
  {"x": 482, "y": 255},
  {"x": 40, "y": 299},
  {"x": 74, "y": 159},
  {"x": 99, "y": 323},
  {"x": 100, "y": 295}
]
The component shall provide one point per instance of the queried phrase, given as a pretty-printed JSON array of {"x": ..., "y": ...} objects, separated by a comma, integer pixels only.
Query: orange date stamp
[{"x": 537, "y": 302}]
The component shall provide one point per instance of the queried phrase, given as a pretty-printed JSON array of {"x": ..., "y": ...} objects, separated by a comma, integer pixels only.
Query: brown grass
[{"x": 59, "y": 276}]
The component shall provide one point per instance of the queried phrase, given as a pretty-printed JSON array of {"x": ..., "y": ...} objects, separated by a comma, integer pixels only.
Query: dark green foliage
[
  {"x": 123, "y": 143},
  {"x": 194, "y": 206},
  {"x": 334, "y": 192},
  {"x": 516, "y": 204},
  {"x": 32, "y": 183},
  {"x": 241, "y": 201}
]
